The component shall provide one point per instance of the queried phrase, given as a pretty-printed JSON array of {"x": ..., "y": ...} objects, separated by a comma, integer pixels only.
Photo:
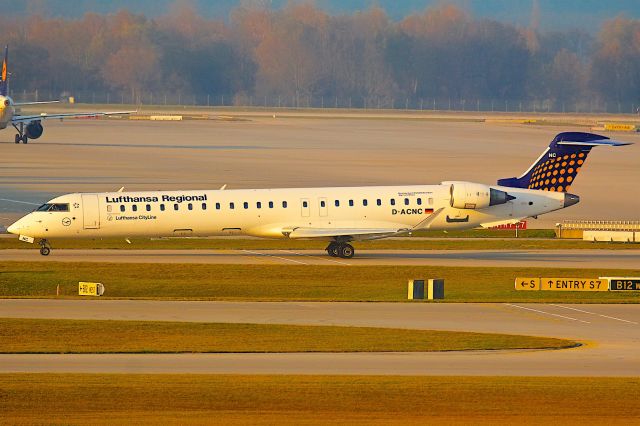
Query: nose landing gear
[
  {"x": 45, "y": 247},
  {"x": 343, "y": 250}
]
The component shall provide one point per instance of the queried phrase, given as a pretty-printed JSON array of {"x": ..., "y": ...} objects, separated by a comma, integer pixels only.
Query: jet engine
[
  {"x": 466, "y": 195},
  {"x": 34, "y": 130}
]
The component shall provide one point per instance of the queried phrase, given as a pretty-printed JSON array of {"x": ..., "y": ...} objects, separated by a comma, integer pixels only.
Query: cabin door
[
  {"x": 322, "y": 205},
  {"x": 304, "y": 206},
  {"x": 90, "y": 211}
]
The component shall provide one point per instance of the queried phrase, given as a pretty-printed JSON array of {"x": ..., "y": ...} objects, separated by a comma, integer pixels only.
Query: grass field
[
  {"x": 292, "y": 282},
  {"x": 229, "y": 399},
  {"x": 76, "y": 336},
  {"x": 409, "y": 243}
]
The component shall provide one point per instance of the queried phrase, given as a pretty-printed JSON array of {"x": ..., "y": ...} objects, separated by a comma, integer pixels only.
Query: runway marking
[
  {"x": 21, "y": 202},
  {"x": 594, "y": 313},
  {"x": 547, "y": 313},
  {"x": 316, "y": 257},
  {"x": 276, "y": 257}
]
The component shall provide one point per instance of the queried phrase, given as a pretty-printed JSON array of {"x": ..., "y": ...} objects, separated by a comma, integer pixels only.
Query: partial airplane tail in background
[
  {"x": 560, "y": 163},
  {"x": 4, "y": 84}
]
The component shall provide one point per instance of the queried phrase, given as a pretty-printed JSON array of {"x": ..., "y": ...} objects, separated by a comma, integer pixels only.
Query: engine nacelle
[
  {"x": 467, "y": 195},
  {"x": 34, "y": 130}
]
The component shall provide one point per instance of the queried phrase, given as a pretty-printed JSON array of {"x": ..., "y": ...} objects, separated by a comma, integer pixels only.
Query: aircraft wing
[
  {"x": 357, "y": 234},
  {"x": 44, "y": 116},
  {"x": 35, "y": 103}
]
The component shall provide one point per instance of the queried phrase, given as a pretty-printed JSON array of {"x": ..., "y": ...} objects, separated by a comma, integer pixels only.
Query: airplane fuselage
[{"x": 272, "y": 213}]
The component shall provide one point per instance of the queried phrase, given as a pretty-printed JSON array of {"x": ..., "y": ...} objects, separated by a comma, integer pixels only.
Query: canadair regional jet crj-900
[
  {"x": 29, "y": 126},
  {"x": 336, "y": 215}
]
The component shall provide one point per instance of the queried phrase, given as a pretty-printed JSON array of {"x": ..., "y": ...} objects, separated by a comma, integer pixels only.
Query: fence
[
  {"x": 335, "y": 102},
  {"x": 601, "y": 225}
]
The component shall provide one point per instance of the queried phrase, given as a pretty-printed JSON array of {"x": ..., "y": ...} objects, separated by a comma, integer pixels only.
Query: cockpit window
[{"x": 53, "y": 207}]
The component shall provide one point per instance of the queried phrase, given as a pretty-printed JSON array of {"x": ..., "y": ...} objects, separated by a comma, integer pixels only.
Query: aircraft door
[
  {"x": 322, "y": 205},
  {"x": 90, "y": 211},
  {"x": 304, "y": 205}
]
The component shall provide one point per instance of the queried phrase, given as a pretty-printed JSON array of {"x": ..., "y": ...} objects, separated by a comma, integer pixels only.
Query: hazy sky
[{"x": 554, "y": 14}]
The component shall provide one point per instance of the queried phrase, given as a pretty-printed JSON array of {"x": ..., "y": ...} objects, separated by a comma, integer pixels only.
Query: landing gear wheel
[
  {"x": 45, "y": 248},
  {"x": 346, "y": 251},
  {"x": 332, "y": 249},
  {"x": 25, "y": 139},
  {"x": 18, "y": 138}
]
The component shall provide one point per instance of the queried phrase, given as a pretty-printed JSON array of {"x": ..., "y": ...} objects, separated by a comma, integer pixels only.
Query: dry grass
[
  {"x": 229, "y": 399},
  {"x": 75, "y": 336},
  {"x": 291, "y": 282}
]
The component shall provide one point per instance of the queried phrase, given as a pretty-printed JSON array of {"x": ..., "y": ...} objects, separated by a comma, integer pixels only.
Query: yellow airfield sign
[
  {"x": 574, "y": 284},
  {"x": 562, "y": 284},
  {"x": 90, "y": 289},
  {"x": 527, "y": 283}
]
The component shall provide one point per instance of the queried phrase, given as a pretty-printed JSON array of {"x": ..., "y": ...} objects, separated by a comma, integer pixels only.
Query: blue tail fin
[
  {"x": 560, "y": 163},
  {"x": 4, "y": 84}
]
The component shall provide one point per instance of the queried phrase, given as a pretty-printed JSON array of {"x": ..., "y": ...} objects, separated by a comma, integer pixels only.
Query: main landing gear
[
  {"x": 45, "y": 247},
  {"x": 343, "y": 250},
  {"x": 21, "y": 136}
]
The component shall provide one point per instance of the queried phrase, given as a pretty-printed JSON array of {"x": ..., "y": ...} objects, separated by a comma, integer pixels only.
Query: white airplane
[
  {"x": 30, "y": 126},
  {"x": 337, "y": 215}
]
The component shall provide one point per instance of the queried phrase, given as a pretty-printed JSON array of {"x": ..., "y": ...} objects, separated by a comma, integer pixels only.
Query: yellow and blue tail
[
  {"x": 4, "y": 84},
  {"x": 560, "y": 163}
]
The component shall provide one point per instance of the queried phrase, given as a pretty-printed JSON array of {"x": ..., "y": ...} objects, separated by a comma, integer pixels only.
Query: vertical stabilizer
[
  {"x": 558, "y": 166},
  {"x": 4, "y": 74}
]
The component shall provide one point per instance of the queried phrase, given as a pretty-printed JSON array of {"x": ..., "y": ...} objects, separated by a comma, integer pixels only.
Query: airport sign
[
  {"x": 90, "y": 289},
  {"x": 623, "y": 283},
  {"x": 574, "y": 284},
  {"x": 564, "y": 284},
  {"x": 527, "y": 283}
]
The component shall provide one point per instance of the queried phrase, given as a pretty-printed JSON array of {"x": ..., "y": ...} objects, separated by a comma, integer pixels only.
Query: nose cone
[
  {"x": 570, "y": 199},
  {"x": 13, "y": 229}
]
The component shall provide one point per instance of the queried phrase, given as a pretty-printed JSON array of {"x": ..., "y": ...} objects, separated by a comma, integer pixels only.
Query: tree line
[{"x": 302, "y": 51}]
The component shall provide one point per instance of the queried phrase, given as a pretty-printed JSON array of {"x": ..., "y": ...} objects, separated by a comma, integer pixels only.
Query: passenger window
[
  {"x": 134, "y": 208},
  {"x": 284, "y": 204},
  {"x": 259, "y": 205},
  {"x": 406, "y": 201},
  {"x": 190, "y": 206},
  {"x": 217, "y": 206},
  {"x": 305, "y": 204},
  {"x": 176, "y": 207},
  {"x": 323, "y": 204},
  {"x": 246, "y": 205},
  {"x": 270, "y": 204},
  {"x": 204, "y": 206},
  {"x": 122, "y": 208},
  {"x": 350, "y": 203},
  {"x": 148, "y": 207},
  {"x": 379, "y": 202},
  {"x": 337, "y": 203},
  {"x": 232, "y": 206},
  {"x": 393, "y": 201},
  {"x": 419, "y": 200},
  {"x": 161, "y": 207},
  {"x": 364, "y": 203}
]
